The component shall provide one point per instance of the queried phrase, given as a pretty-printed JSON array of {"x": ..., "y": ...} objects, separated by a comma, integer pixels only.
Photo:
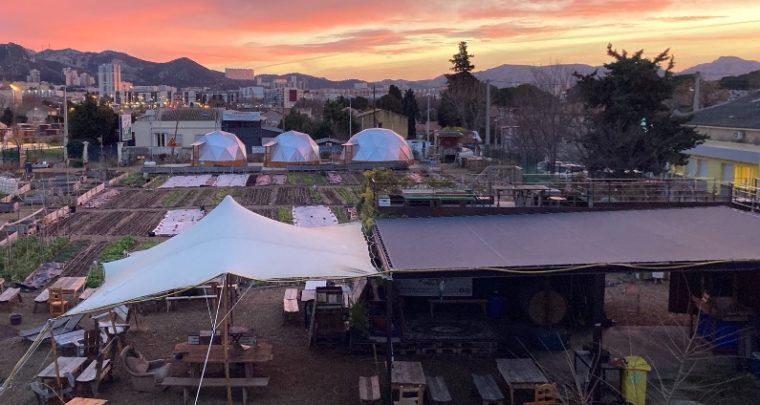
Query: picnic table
[
  {"x": 71, "y": 365},
  {"x": 406, "y": 375},
  {"x": 520, "y": 374},
  {"x": 195, "y": 355},
  {"x": 69, "y": 285}
]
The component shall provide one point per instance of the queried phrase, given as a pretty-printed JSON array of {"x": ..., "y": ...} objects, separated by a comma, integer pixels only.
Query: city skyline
[{"x": 391, "y": 39}]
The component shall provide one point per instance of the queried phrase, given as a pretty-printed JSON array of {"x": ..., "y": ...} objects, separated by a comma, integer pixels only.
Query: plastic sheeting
[
  {"x": 188, "y": 181},
  {"x": 313, "y": 216},
  {"x": 232, "y": 239},
  {"x": 231, "y": 180},
  {"x": 176, "y": 221}
]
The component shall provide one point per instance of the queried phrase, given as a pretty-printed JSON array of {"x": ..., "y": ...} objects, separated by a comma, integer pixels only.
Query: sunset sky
[{"x": 373, "y": 40}]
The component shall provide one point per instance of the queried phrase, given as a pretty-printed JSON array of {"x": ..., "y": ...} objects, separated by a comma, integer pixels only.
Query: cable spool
[{"x": 547, "y": 308}]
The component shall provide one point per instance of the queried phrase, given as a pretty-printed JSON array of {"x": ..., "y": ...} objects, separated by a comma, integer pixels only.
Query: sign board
[
  {"x": 231, "y": 115},
  {"x": 434, "y": 287},
  {"x": 384, "y": 201},
  {"x": 257, "y": 149},
  {"x": 126, "y": 127}
]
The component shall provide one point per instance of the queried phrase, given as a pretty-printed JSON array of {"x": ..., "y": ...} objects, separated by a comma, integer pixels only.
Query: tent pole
[
  {"x": 55, "y": 355},
  {"x": 226, "y": 337},
  {"x": 389, "y": 340}
]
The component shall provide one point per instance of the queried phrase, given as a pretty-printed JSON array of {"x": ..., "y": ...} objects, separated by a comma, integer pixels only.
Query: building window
[{"x": 161, "y": 139}]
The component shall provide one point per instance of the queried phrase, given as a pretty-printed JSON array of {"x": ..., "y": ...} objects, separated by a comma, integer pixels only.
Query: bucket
[{"x": 15, "y": 319}]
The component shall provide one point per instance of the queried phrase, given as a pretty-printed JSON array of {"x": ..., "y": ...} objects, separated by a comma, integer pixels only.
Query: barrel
[{"x": 15, "y": 319}]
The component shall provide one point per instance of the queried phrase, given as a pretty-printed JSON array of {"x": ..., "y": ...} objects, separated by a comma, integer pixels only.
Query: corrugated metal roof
[
  {"x": 741, "y": 113},
  {"x": 579, "y": 238},
  {"x": 737, "y": 152},
  {"x": 189, "y": 114}
]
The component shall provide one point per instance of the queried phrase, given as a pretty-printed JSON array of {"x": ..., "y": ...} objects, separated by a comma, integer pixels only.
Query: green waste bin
[{"x": 635, "y": 380}]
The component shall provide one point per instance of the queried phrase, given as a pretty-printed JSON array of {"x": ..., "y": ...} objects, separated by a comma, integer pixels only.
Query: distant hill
[
  {"x": 746, "y": 81},
  {"x": 16, "y": 62},
  {"x": 723, "y": 67}
]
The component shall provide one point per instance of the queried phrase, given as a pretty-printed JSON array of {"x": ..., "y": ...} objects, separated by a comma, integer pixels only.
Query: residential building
[
  {"x": 396, "y": 122},
  {"x": 732, "y": 152},
  {"x": 109, "y": 80},
  {"x": 285, "y": 97},
  {"x": 247, "y": 125},
  {"x": 238, "y": 73},
  {"x": 251, "y": 93},
  {"x": 157, "y": 128},
  {"x": 154, "y": 96}
]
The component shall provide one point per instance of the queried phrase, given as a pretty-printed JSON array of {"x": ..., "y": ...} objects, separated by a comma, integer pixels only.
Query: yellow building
[
  {"x": 732, "y": 152},
  {"x": 396, "y": 122}
]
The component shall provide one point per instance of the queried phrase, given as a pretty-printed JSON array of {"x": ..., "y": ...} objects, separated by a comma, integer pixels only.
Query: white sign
[
  {"x": 384, "y": 202},
  {"x": 257, "y": 149},
  {"x": 231, "y": 115},
  {"x": 126, "y": 127},
  {"x": 434, "y": 287}
]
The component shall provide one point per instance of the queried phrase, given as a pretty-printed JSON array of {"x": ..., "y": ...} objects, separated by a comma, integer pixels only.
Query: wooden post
[
  {"x": 597, "y": 299},
  {"x": 55, "y": 355},
  {"x": 226, "y": 337},
  {"x": 389, "y": 340},
  {"x": 115, "y": 334}
]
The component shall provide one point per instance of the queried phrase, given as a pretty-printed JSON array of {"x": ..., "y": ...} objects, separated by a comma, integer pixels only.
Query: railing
[{"x": 746, "y": 196}]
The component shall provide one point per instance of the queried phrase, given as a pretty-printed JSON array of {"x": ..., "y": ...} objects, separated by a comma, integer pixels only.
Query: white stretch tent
[
  {"x": 292, "y": 147},
  {"x": 377, "y": 145},
  {"x": 221, "y": 148},
  {"x": 232, "y": 239}
]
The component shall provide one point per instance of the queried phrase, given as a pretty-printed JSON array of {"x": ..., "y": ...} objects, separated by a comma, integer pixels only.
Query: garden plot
[
  {"x": 334, "y": 178},
  {"x": 293, "y": 196},
  {"x": 189, "y": 181},
  {"x": 102, "y": 199},
  {"x": 270, "y": 179},
  {"x": 313, "y": 216},
  {"x": 352, "y": 179},
  {"x": 140, "y": 223},
  {"x": 231, "y": 180},
  {"x": 81, "y": 264},
  {"x": 103, "y": 223},
  {"x": 255, "y": 196},
  {"x": 176, "y": 221}
]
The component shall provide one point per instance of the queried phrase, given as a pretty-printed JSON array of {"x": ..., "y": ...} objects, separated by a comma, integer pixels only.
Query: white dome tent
[
  {"x": 291, "y": 148},
  {"x": 377, "y": 145},
  {"x": 219, "y": 148}
]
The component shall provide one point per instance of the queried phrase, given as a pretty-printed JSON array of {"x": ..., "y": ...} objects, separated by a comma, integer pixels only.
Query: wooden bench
[
  {"x": 42, "y": 298},
  {"x": 488, "y": 390},
  {"x": 100, "y": 368},
  {"x": 290, "y": 305},
  {"x": 438, "y": 392},
  {"x": 188, "y": 383},
  {"x": 369, "y": 390},
  {"x": 169, "y": 300},
  {"x": 9, "y": 297},
  {"x": 86, "y": 293}
]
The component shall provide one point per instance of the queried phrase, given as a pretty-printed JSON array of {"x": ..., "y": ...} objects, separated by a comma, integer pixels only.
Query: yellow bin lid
[{"x": 637, "y": 363}]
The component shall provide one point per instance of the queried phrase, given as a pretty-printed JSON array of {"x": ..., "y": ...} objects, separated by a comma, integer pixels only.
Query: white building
[
  {"x": 252, "y": 93},
  {"x": 109, "y": 79},
  {"x": 157, "y": 128}
]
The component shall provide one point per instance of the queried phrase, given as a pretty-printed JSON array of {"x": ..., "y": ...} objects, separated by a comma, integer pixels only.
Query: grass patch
[
  {"x": 219, "y": 195},
  {"x": 133, "y": 180},
  {"x": 305, "y": 179},
  {"x": 315, "y": 195},
  {"x": 114, "y": 251},
  {"x": 348, "y": 195},
  {"x": 341, "y": 214},
  {"x": 285, "y": 214},
  {"x": 157, "y": 181},
  {"x": 172, "y": 198},
  {"x": 26, "y": 254}
]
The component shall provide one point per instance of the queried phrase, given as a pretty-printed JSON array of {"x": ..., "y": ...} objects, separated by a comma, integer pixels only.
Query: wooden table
[
  {"x": 406, "y": 374},
  {"x": 86, "y": 401},
  {"x": 236, "y": 333},
  {"x": 65, "y": 365},
  {"x": 520, "y": 374},
  {"x": 196, "y": 355},
  {"x": 70, "y": 285}
]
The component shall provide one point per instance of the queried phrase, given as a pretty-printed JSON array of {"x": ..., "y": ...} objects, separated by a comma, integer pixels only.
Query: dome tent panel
[
  {"x": 292, "y": 147},
  {"x": 377, "y": 145},
  {"x": 219, "y": 148}
]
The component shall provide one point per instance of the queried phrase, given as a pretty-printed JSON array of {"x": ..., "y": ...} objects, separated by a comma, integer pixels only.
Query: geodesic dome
[
  {"x": 377, "y": 145},
  {"x": 219, "y": 147},
  {"x": 291, "y": 147}
]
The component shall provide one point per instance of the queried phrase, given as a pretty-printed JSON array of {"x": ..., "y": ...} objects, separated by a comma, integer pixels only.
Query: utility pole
[
  {"x": 374, "y": 108},
  {"x": 65, "y": 127},
  {"x": 488, "y": 113},
  {"x": 350, "y": 114},
  {"x": 427, "y": 121}
]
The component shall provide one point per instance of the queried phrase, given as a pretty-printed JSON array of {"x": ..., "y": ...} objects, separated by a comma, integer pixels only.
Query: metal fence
[{"x": 746, "y": 196}]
